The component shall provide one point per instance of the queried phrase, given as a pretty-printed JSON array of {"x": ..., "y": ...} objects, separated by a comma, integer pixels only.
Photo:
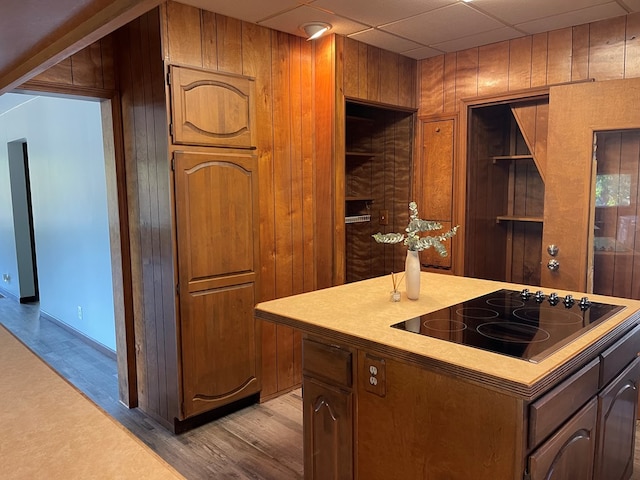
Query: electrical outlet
[
  {"x": 375, "y": 375},
  {"x": 79, "y": 312},
  {"x": 6, "y": 278},
  {"x": 384, "y": 217}
]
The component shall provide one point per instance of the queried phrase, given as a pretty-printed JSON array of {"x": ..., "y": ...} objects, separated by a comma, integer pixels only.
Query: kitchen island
[{"x": 385, "y": 403}]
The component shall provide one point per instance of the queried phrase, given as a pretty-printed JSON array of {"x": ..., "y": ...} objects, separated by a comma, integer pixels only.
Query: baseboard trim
[
  {"x": 80, "y": 336},
  {"x": 271, "y": 396},
  {"x": 7, "y": 294},
  {"x": 181, "y": 426}
]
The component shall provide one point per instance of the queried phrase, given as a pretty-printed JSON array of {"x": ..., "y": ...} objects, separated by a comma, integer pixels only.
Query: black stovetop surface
[{"x": 518, "y": 324}]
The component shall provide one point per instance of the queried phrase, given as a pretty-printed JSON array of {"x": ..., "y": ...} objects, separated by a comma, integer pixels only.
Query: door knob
[
  {"x": 553, "y": 265},
  {"x": 552, "y": 250}
]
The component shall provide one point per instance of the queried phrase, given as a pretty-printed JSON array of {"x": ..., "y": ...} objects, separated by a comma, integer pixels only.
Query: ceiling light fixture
[{"x": 315, "y": 29}]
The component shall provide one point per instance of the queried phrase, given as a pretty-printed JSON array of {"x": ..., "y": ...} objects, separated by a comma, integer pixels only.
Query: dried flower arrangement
[{"x": 413, "y": 240}]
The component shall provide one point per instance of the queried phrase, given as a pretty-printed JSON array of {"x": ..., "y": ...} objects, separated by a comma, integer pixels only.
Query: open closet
[
  {"x": 505, "y": 191},
  {"x": 377, "y": 187}
]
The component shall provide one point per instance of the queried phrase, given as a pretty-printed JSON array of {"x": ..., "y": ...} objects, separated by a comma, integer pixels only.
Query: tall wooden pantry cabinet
[{"x": 193, "y": 193}]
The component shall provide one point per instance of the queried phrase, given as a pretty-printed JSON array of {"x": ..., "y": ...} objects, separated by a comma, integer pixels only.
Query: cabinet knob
[
  {"x": 568, "y": 301},
  {"x": 553, "y": 265},
  {"x": 552, "y": 250}
]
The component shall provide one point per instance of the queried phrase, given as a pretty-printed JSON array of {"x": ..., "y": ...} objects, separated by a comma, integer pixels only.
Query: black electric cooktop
[{"x": 520, "y": 324}]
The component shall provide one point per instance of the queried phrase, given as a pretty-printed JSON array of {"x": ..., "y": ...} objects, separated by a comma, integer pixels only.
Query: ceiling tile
[
  {"x": 634, "y": 5},
  {"x": 573, "y": 18},
  {"x": 422, "y": 52},
  {"x": 291, "y": 20},
  {"x": 384, "y": 40},
  {"x": 520, "y": 11},
  {"x": 251, "y": 11},
  {"x": 378, "y": 12},
  {"x": 484, "y": 38},
  {"x": 444, "y": 24}
]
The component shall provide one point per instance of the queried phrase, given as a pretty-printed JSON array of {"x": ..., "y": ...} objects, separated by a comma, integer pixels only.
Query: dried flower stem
[{"x": 396, "y": 284}]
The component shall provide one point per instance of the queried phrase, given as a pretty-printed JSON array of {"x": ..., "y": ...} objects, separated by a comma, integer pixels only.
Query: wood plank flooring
[{"x": 259, "y": 442}]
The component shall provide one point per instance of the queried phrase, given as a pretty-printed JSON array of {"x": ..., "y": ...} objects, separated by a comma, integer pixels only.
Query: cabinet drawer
[
  {"x": 618, "y": 355},
  {"x": 555, "y": 407},
  {"x": 327, "y": 362}
]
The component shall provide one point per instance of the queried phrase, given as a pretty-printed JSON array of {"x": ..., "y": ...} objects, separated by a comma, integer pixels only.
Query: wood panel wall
[
  {"x": 90, "y": 68},
  {"x": 327, "y": 99},
  {"x": 604, "y": 50},
  {"x": 375, "y": 75},
  {"x": 149, "y": 190}
]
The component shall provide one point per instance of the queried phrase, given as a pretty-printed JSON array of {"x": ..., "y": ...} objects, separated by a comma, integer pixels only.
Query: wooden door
[
  {"x": 217, "y": 240},
  {"x": 575, "y": 113},
  {"x": 569, "y": 453},
  {"x": 434, "y": 185},
  {"x": 211, "y": 108},
  {"x": 617, "y": 406},
  {"x": 328, "y": 431}
]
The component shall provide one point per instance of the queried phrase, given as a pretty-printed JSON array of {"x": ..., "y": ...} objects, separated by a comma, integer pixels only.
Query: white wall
[{"x": 68, "y": 190}]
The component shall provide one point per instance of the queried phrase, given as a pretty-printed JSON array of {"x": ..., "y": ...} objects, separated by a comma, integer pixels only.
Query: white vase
[{"x": 412, "y": 274}]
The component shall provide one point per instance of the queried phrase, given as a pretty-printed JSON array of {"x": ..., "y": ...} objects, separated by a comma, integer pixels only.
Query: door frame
[
  {"x": 20, "y": 187},
  {"x": 118, "y": 218},
  {"x": 460, "y": 162}
]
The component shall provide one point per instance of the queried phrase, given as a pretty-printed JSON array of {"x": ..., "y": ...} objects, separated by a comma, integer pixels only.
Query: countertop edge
[{"x": 524, "y": 391}]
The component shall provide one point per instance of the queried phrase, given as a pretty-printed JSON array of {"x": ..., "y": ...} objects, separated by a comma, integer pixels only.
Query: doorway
[
  {"x": 20, "y": 187},
  {"x": 505, "y": 191},
  {"x": 67, "y": 174},
  {"x": 377, "y": 182}
]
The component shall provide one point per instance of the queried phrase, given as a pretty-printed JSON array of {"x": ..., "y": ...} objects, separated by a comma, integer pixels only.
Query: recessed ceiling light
[{"x": 315, "y": 29}]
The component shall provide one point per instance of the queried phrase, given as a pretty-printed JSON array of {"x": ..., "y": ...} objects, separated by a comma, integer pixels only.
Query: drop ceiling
[
  {"x": 422, "y": 28},
  {"x": 36, "y": 34}
]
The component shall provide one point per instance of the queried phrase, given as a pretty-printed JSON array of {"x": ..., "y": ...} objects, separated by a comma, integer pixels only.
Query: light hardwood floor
[{"x": 259, "y": 442}]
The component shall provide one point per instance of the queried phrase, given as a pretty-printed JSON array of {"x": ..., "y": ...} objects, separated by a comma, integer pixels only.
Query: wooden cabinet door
[
  {"x": 575, "y": 113},
  {"x": 210, "y": 108},
  {"x": 217, "y": 242},
  {"x": 617, "y": 407},
  {"x": 328, "y": 431},
  {"x": 434, "y": 185},
  {"x": 569, "y": 453}
]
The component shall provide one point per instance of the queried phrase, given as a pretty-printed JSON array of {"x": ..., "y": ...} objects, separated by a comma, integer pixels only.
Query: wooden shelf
[
  {"x": 511, "y": 157},
  {"x": 360, "y": 155},
  {"x": 357, "y": 219},
  {"x": 513, "y": 218},
  {"x": 358, "y": 199},
  {"x": 354, "y": 118}
]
